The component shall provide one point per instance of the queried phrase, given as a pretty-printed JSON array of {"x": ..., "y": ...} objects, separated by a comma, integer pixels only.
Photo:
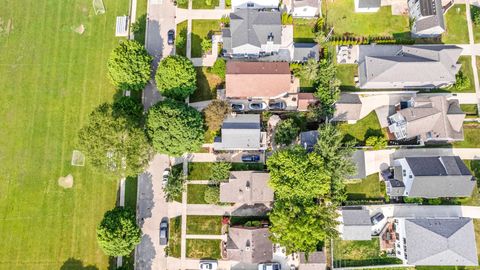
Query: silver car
[
  {"x": 164, "y": 232},
  {"x": 208, "y": 265}
]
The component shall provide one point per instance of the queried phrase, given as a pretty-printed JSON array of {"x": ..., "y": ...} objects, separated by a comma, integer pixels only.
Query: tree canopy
[
  {"x": 175, "y": 128},
  {"x": 215, "y": 112},
  {"x": 286, "y": 132},
  {"x": 114, "y": 140},
  {"x": 176, "y": 77},
  {"x": 327, "y": 87},
  {"x": 129, "y": 66},
  {"x": 118, "y": 232}
]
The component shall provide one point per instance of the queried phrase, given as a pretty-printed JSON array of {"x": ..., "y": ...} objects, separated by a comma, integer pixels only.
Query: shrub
[
  {"x": 220, "y": 172},
  {"x": 286, "y": 132},
  {"x": 208, "y": 2},
  {"x": 462, "y": 81},
  {"x": 436, "y": 201},
  {"x": 206, "y": 45},
  {"x": 212, "y": 194},
  {"x": 253, "y": 223},
  {"x": 475, "y": 11},
  {"x": 286, "y": 18},
  {"x": 412, "y": 200},
  {"x": 377, "y": 142},
  {"x": 225, "y": 20},
  {"x": 219, "y": 67},
  {"x": 215, "y": 112}
]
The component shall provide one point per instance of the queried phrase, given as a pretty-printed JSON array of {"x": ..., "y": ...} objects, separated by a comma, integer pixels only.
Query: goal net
[
  {"x": 78, "y": 158},
  {"x": 98, "y": 7}
]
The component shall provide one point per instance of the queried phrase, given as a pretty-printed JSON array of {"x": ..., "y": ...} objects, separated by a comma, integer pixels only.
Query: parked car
[
  {"x": 164, "y": 231},
  {"x": 257, "y": 106},
  {"x": 269, "y": 266},
  {"x": 250, "y": 158},
  {"x": 171, "y": 36},
  {"x": 277, "y": 105},
  {"x": 208, "y": 265},
  {"x": 166, "y": 174},
  {"x": 377, "y": 218},
  {"x": 237, "y": 107}
]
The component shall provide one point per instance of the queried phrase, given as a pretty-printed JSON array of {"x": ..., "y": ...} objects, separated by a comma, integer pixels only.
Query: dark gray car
[
  {"x": 164, "y": 232},
  {"x": 277, "y": 105}
]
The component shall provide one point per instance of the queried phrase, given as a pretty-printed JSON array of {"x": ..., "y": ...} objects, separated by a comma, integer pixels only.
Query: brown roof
[
  {"x": 257, "y": 79},
  {"x": 249, "y": 245},
  {"x": 304, "y": 100}
]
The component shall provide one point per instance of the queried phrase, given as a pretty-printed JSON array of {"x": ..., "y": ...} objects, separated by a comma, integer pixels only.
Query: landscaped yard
[
  {"x": 207, "y": 84},
  {"x": 470, "y": 109},
  {"x": 456, "y": 22},
  {"x": 204, "y": 225},
  {"x": 51, "y": 79},
  {"x": 202, "y": 29},
  {"x": 202, "y": 170},
  {"x": 181, "y": 39},
  {"x": 204, "y": 4},
  {"x": 471, "y": 133},
  {"x": 175, "y": 237},
  {"x": 360, "y": 253},
  {"x": 467, "y": 70},
  {"x": 369, "y": 188},
  {"x": 196, "y": 193},
  {"x": 364, "y": 128},
  {"x": 341, "y": 15},
  {"x": 346, "y": 74},
  {"x": 303, "y": 30},
  {"x": 203, "y": 249}
]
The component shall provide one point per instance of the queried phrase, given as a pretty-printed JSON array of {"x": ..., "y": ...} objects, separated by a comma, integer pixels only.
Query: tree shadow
[
  {"x": 139, "y": 28},
  {"x": 145, "y": 198},
  {"x": 181, "y": 42},
  {"x": 146, "y": 253},
  {"x": 373, "y": 132},
  {"x": 196, "y": 45},
  {"x": 74, "y": 264}
]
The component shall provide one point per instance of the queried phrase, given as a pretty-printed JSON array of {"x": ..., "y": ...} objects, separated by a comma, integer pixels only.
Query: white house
[
  {"x": 305, "y": 8},
  {"x": 257, "y": 4},
  {"x": 367, "y": 5}
]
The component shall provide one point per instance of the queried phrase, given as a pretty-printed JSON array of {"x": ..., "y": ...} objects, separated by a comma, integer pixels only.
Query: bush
[
  {"x": 219, "y": 68},
  {"x": 253, "y": 223},
  {"x": 286, "y": 132},
  {"x": 286, "y": 18},
  {"x": 220, "y": 172},
  {"x": 462, "y": 81},
  {"x": 436, "y": 201},
  {"x": 377, "y": 142},
  {"x": 206, "y": 45},
  {"x": 215, "y": 112},
  {"x": 174, "y": 187},
  {"x": 412, "y": 200},
  {"x": 208, "y": 2},
  {"x": 475, "y": 11},
  {"x": 176, "y": 77},
  {"x": 212, "y": 194},
  {"x": 225, "y": 20}
]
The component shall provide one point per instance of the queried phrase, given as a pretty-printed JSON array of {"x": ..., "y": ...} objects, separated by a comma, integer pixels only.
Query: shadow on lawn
[{"x": 74, "y": 264}]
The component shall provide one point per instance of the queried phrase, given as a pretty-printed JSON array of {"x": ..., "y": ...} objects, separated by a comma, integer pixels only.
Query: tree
[
  {"x": 462, "y": 81},
  {"x": 206, "y": 45},
  {"x": 377, "y": 142},
  {"x": 114, "y": 140},
  {"x": 219, "y": 67},
  {"x": 294, "y": 173},
  {"x": 220, "y": 172},
  {"x": 300, "y": 227},
  {"x": 118, "y": 232},
  {"x": 337, "y": 163},
  {"x": 327, "y": 88},
  {"x": 309, "y": 71},
  {"x": 129, "y": 66},
  {"x": 175, "y": 184},
  {"x": 286, "y": 132},
  {"x": 174, "y": 128},
  {"x": 212, "y": 194},
  {"x": 475, "y": 13},
  {"x": 215, "y": 112},
  {"x": 176, "y": 77}
]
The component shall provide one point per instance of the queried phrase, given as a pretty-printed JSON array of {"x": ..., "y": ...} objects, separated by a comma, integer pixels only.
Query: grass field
[
  {"x": 175, "y": 237},
  {"x": 207, "y": 84},
  {"x": 360, "y": 253},
  {"x": 346, "y": 74},
  {"x": 51, "y": 79},
  {"x": 369, "y": 188},
  {"x": 181, "y": 38},
  {"x": 471, "y": 110},
  {"x": 471, "y": 134},
  {"x": 303, "y": 30},
  {"x": 196, "y": 194},
  {"x": 204, "y": 225},
  {"x": 203, "y": 170},
  {"x": 202, "y": 4},
  {"x": 364, "y": 128},
  {"x": 456, "y": 22},
  {"x": 203, "y": 249},
  {"x": 467, "y": 70},
  {"x": 202, "y": 29}
]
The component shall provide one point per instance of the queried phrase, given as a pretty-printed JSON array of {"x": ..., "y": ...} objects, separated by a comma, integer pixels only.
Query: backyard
[
  {"x": 467, "y": 70},
  {"x": 471, "y": 133},
  {"x": 202, "y": 170},
  {"x": 175, "y": 237},
  {"x": 52, "y": 78},
  {"x": 202, "y": 29},
  {"x": 341, "y": 15},
  {"x": 303, "y": 30},
  {"x": 360, "y": 253},
  {"x": 207, "y": 84},
  {"x": 456, "y": 22},
  {"x": 346, "y": 74},
  {"x": 364, "y": 128},
  {"x": 369, "y": 188},
  {"x": 204, "y": 225},
  {"x": 471, "y": 110},
  {"x": 203, "y": 249}
]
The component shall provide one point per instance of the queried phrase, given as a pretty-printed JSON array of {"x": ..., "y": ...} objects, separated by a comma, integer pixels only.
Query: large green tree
[
  {"x": 114, "y": 140},
  {"x": 175, "y": 128},
  {"x": 286, "y": 132},
  {"x": 129, "y": 66},
  {"x": 176, "y": 77},
  {"x": 118, "y": 232}
]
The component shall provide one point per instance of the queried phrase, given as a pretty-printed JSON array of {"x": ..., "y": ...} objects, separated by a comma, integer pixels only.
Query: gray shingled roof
[
  {"x": 356, "y": 223},
  {"x": 240, "y": 131},
  {"x": 248, "y": 187},
  {"x": 431, "y": 16},
  {"x": 369, "y": 3},
  {"x": 249, "y": 245},
  {"x": 441, "y": 242},
  {"x": 437, "y": 166},
  {"x": 348, "y": 107},
  {"x": 304, "y": 51}
]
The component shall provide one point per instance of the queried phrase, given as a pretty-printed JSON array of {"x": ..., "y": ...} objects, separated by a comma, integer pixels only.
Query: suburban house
[
  {"x": 429, "y": 119},
  {"x": 262, "y": 80},
  {"x": 305, "y": 8},
  {"x": 250, "y": 246},
  {"x": 246, "y": 187},
  {"x": 436, "y": 241},
  {"x": 255, "y": 4},
  {"x": 355, "y": 223},
  {"x": 367, "y": 5},
  {"x": 427, "y": 17},
  {"x": 241, "y": 132},
  {"x": 400, "y": 67},
  {"x": 429, "y": 177}
]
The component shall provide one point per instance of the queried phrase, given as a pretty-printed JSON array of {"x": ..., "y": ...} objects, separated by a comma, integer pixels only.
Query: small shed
[
  {"x": 356, "y": 223},
  {"x": 367, "y": 5},
  {"x": 121, "y": 29}
]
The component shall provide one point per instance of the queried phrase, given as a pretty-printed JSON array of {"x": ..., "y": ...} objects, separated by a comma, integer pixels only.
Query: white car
[
  {"x": 166, "y": 174},
  {"x": 208, "y": 265},
  {"x": 257, "y": 106}
]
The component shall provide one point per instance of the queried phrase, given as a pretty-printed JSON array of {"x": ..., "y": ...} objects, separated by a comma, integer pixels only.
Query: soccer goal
[
  {"x": 98, "y": 7},
  {"x": 78, "y": 158}
]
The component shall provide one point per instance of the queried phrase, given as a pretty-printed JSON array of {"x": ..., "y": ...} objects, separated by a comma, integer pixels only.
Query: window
[{"x": 250, "y": 4}]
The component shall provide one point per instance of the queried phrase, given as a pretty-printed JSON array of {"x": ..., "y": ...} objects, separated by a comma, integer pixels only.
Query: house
[
  {"x": 305, "y": 8},
  {"x": 249, "y": 245},
  {"x": 241, "y": 132},
  {"x": 436, "y": 241},
  {"x": 427, "y": 17},
  {"x": 316, "y": 260},
  {"x": 252, "y": 33},
  {"x": 355, "y": 223},
  {"x": 255, "y": 4},
  {"x": 429, "y": 177},
  {"x": 429, "y": 119},
  {"x": 400, "y": 67},
  {"x": 348, "y": 108},
  {"x": 264, "y": 80},
  {"x": 367, "y": 5},
  {"x": 246, "y": 187}
]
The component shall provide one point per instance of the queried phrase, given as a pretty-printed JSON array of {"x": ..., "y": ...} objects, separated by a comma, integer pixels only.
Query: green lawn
[
  {"x": 175, "y": 236},
  {"x": 369, "y": 188},
  {"x": 202, "y": 29},
  {"x": 303, "y": 30},
  {"x": 202, "y": 170},
  {"x": 472, "y": 136},
  {"x": 466, "y": 69},
  {"x": 346, "y": 74},
  {"x": 182, "y": 4},
  {"x": 341, "y": 15},
  {"x": 204, "y": 225},
  {"x": 203, "y": 249},
  {"x": 141, "y": 21},
  {"x": 51, "y": 79},
  {"x": 204, "y": 4},
  {"x": 181, "y": 38},
  {"x": 364, "y": 128},
  {"x": 456, "y": 22},
  {"x": 476, "y": 28},
  {"x": 470, "y": 109},
  {"x": 196, "y": 193},
  {"x": 207, "y": 84},
  {"x": 360, "y": 253}
]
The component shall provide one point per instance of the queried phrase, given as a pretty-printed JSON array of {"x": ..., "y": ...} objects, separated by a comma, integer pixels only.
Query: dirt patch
[
  {"x": 66, "y": 182},
  {"x": 80, "y": 29},
  {"x": 6, "y": 26}
]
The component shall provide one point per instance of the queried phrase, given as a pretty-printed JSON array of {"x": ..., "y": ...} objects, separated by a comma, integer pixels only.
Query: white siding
[
  {"x": 305, "y": 12},
  {"x": 256, "y": 3},
  {"x": 406, "y": 172}
]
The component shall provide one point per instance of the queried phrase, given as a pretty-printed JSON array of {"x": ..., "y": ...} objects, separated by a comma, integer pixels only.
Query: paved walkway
[{"x": 474, "y": 53}]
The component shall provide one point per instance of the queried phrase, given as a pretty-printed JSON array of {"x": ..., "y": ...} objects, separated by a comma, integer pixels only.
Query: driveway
[{"x": 151, "y": 208}]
